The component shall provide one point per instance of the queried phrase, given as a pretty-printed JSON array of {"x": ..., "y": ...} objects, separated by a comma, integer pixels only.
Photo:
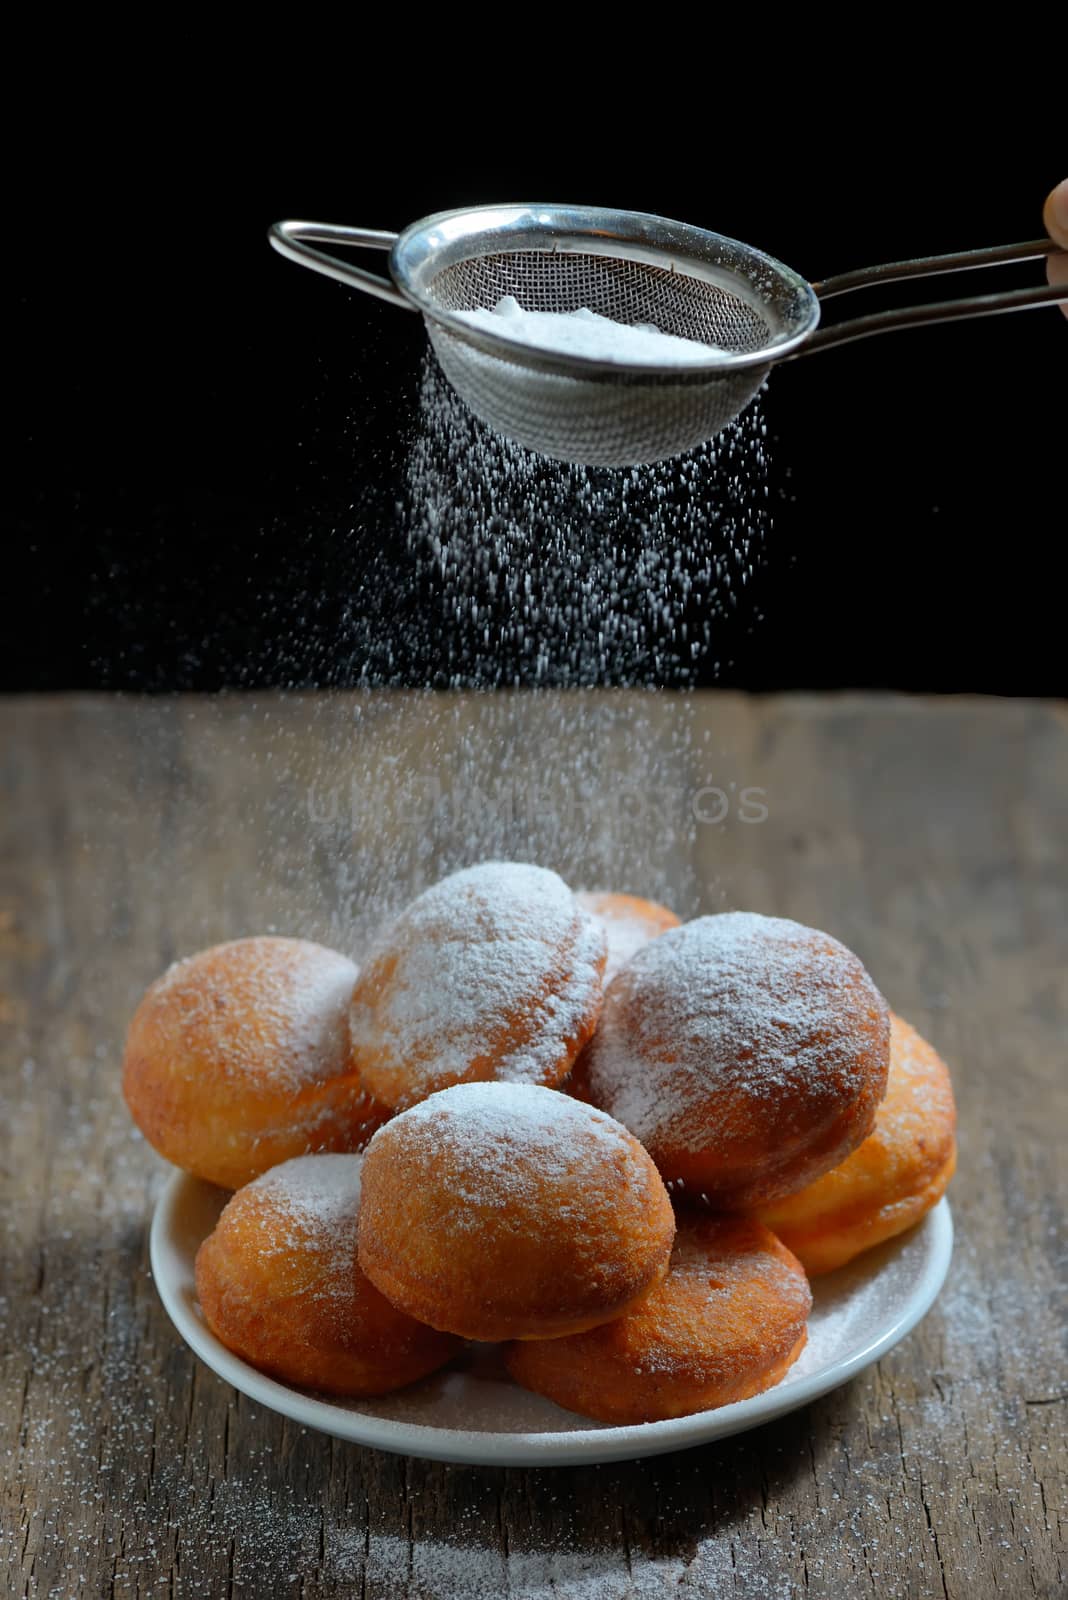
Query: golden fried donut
[
  {"x": 279, "y": 1284},
  {"x": 900, "y": 1171},
  {"x": 495, "y": 972},
  {"x": 747, "y": 1053},
  {"x": 726, "y": 1323},
  {"x": 238, "y": 1058},
  {"x": 508, "y": 1211},
  {"x": 628, "y": 923}
]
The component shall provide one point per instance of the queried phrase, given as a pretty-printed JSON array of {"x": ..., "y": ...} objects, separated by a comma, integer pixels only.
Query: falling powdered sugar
[{"x": 508, "y": 568}]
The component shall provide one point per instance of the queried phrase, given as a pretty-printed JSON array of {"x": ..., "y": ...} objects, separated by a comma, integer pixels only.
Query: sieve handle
[
  {"x": 295, "y": 241},
  {"x": 929, "y": 266},
  {"x": 984, "y": 305}
]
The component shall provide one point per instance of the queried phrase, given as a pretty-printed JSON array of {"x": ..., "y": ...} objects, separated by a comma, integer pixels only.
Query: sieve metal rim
[{"x": 447, "y": 238}]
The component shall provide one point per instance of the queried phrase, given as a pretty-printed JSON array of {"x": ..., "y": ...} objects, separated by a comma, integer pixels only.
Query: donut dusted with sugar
[
  {"x": 901, "y": 1170},
  {"x": 508, "y": 1211},
  {"x": 239, "y": 1057},
  {"x": 747, "y": 1053},
  {"x": 727, "y": 1322},
  {"x": 279, "y": 1284},
  {"x": 493, "y": 973},
  {"x": 628, "y": 922}
]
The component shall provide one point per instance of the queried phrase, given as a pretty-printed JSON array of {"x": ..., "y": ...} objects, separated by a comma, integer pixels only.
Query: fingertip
[{"x": 1055, "y": 214}]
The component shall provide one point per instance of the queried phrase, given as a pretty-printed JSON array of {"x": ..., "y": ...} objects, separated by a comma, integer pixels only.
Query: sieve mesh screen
[{"x": 626, "y": 290}]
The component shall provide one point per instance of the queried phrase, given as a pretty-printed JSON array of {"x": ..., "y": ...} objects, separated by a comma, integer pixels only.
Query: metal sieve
[{"x": 751, "y": 310}]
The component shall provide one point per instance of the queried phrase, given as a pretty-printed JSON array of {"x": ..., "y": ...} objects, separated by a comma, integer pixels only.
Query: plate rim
[{"x": 534, "y": 1449}]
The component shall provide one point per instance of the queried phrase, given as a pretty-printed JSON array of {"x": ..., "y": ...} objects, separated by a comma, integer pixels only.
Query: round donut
[
  {"x": 508, "y": 1211},
  {"x": 238, "y": 1058},
  {"x": 747, "y": 1053},
  {"x": 628, "y": 923},
  {"x": 727, "y": 1322},
  {"x": 901, "y": 1170},
  {"x": 280, "y": 1285},
  {"x": 493, "y": 973}
]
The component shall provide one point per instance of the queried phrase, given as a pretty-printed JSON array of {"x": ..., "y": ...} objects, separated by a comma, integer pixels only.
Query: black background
[{"x": 195, "y": 419}]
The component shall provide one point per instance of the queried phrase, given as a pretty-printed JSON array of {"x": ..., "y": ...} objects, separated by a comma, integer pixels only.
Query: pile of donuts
[{"x": 615, "y": 1144}]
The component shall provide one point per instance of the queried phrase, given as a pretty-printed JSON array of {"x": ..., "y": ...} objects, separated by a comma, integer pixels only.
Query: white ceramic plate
[{"x": 472, "y": 1412}]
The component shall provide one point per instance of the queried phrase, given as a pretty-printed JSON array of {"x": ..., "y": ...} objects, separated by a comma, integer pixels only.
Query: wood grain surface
[{"x": 930, "y": 836}]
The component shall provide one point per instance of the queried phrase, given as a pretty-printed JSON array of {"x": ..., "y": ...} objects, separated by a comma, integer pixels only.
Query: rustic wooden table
[{"x": 931, "y": 836}]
